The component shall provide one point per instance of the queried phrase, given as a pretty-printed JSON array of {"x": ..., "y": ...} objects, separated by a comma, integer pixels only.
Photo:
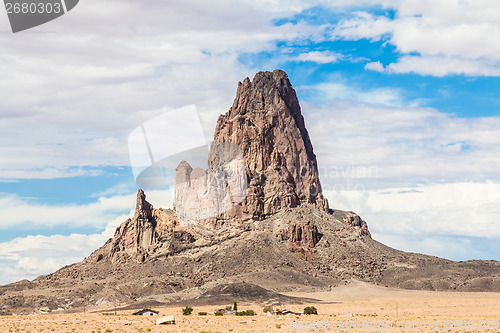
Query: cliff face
[
  {"x": 203, "y": 194},
  {"x": 266, "y": 123}
]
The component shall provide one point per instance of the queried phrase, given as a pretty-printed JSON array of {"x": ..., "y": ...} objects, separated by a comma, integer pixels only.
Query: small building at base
[{"x": 146, "y": 312}]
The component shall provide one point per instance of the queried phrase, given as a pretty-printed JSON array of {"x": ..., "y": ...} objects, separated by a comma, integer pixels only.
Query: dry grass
[{"x": 359, "y": 301}]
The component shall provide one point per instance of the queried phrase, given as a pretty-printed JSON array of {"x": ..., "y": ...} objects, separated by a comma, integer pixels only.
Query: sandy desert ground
[{"x": 357, "y": 307}]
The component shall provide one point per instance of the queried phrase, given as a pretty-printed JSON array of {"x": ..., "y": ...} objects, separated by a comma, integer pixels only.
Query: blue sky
[{"x": 401, "y": 100}]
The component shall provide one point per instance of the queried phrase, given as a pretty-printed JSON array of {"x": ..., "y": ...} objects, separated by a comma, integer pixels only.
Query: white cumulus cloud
[
  {"x": 425, "y": 181},
  {"x": 433, "y": 37},
  {"x": 74, "y": 89},
  {"x": 26, "y": 212},
  {"x": 459, "y": 220},
  {"x": 320, "y": 57},
  {"x": 34, "y": 255}
]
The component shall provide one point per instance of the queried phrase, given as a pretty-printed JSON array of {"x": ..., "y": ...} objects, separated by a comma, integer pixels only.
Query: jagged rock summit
[{"x": 266, "y": 123}]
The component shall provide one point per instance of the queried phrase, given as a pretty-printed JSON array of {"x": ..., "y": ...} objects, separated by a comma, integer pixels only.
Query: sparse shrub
[
  {"x": 278, "y": 325},
  {"x": 202, "y": 313},
  {"x": 187, "y": 310},
  {"x": 267, "y": 309},
  {"x": 235, "y": 306},
  {"x": 218, "y": 313},
  {"x": 246, "y": 313},
  {"x": 310, "y": 310},
  {"x": 228, "y": 308}
]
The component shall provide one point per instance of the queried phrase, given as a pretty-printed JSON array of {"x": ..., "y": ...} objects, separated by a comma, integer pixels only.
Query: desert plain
[{"x": 353, "y": 307}]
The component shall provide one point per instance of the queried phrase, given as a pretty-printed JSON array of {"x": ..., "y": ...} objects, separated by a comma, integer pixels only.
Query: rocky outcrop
[
  {"x": 143, "y": 209},
  {"x": 139, "y": 237},
  {"x": 301, "y": 234},
  {"x": 354, "y": 220},
  {"x": 266, "y": 123}
]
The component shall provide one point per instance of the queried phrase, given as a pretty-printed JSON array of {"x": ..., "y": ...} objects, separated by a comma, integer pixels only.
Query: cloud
[
  {"x": 72, "y": 92},
  {"x": 433, "y": 37},
  {"x": 47, "y": 173},
  {"x": 27, "y": 213},
  {"x": 441, "y": 66},
  {"x": 375, "y": 66},
  {"x": 337, "y": 89},
  {"x": 75, "y": 88},
  {"x": 401, "y": 145},
  {"x": 320, "y": 57},
  {"x": 425, "y": 181},
  {"x": 449, "y": 220},
  {"x": 364, "y": 25},
  {"x": 24, "y": 213},
  {"x": 31, "y": 256},
  {"x": 449, "y": 247}
]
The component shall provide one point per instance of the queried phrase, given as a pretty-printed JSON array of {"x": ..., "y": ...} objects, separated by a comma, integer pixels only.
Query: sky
[{"x": 400, "y": 98}]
